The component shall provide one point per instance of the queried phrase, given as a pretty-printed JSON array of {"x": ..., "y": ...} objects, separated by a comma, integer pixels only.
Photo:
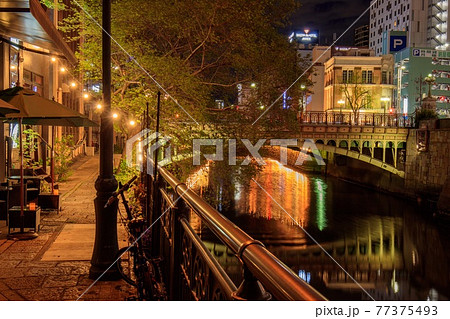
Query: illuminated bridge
[{"x": 382, "y": 145}]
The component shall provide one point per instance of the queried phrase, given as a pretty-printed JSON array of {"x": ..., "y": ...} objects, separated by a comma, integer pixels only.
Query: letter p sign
[{"x": 397, "y": 43}]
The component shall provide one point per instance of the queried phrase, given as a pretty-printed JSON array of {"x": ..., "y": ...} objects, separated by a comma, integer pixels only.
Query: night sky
[{"x": 330, "y": 17}]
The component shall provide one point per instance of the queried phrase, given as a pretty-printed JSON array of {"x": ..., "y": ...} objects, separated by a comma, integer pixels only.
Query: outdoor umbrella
[
  {"x": 36, "y": 110},
  {"x": 6, "y": 108}
]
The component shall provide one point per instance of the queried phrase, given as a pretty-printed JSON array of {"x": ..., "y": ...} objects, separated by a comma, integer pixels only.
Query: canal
[{"x": 347, "y": 241}]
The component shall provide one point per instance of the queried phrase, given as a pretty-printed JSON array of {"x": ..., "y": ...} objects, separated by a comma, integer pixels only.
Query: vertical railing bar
[{"x": 221, "y": 276}]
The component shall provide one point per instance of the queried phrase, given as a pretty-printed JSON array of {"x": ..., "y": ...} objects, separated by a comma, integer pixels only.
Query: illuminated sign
[
  {"x": 305, "y": 37},
  {"x": 397, "y": 43},
  {"x": 424, "y": 53}
]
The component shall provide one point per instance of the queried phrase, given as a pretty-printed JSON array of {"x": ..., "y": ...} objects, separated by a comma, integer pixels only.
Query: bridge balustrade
[
  {"x": 191, "y": 271},
  {"x": 361, "y": 119}
]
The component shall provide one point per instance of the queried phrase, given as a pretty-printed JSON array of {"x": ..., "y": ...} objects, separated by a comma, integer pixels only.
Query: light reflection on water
[
  {"x": 288, "y": 188},
  {"x": 382, "y": 241}
]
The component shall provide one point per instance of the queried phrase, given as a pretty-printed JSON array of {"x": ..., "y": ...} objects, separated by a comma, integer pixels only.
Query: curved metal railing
[{"x": 201, "y": 275}]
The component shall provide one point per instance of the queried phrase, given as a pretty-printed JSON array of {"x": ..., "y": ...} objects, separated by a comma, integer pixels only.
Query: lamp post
[
  {"x": 303, "y": 102},
  {"x": 105, "y": 246},
  {"x": 386, "y": 100},
  {"x": 400, "y": 72},
  {"x": 430, "y": 80}
]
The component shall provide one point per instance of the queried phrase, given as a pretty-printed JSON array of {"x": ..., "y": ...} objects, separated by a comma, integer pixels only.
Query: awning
[{"x": 28, "y": 21}]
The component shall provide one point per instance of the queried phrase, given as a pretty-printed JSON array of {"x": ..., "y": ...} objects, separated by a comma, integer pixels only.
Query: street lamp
[
  {"x": 386, "y": 100},
  {"x": 302, "y": 109},
  {"x": 106, "y": 244},
  {"x": 430, "y": 80}
]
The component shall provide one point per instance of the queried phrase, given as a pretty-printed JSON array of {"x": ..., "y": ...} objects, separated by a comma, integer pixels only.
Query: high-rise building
[
  {"x": 362, "y": 36},
  {"x": 424, "y": 21}
]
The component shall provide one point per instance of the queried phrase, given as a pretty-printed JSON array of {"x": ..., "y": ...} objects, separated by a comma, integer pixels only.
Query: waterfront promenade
[{"x": 55, "y": 266}]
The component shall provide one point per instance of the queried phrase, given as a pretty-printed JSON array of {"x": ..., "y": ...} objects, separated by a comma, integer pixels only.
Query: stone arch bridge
[{"x": 383, "y": 147}]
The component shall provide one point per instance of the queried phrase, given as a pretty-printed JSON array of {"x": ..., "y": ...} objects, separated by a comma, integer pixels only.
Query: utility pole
[
  {"x": 420, "y": 81},
  {"x": 106, "y": 246}
]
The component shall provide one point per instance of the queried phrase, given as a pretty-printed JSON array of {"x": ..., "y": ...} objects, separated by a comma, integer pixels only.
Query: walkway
[{"x": 36, "y": 270}]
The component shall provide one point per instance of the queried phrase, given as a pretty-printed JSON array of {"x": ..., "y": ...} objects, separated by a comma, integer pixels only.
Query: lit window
[{"x": 33, "y": 81}]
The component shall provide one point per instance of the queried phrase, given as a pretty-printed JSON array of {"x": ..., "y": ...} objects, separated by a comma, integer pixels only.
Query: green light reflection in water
[{"x": 320, "y": 188}]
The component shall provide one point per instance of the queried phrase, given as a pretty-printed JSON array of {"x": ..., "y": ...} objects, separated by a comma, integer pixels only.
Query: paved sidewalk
[{"x": 23, "y": 273}]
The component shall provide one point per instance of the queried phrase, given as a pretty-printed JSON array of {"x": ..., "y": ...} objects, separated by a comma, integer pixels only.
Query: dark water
[{"x": 392, "y": 248}]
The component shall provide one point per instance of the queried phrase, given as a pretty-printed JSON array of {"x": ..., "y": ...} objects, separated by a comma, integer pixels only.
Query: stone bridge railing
[{"x": 361, "y": 119}]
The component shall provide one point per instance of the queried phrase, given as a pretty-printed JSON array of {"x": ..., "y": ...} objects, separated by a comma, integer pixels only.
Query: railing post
[
  {"x": 155, "y": 215},
  {"x": 175, "y": 281},
  {"x": 251, "y": 288}
]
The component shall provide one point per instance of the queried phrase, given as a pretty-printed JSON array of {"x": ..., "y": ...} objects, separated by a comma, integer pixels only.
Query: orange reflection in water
[{"x": 287, "y": 187}]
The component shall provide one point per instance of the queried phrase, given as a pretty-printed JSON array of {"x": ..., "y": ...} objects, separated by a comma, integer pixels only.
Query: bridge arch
[
  {"x": 355, "y": 146},
  {"x": 319, "y": 142},
  {"x": 354, "y": 143},
  {"x": 367, "y": 148},
  {"x": 343, "y": 144},
  {"x": 331, "y": 143},
  {"x": 366, "y": 144},
  {"x": 378, "y": 144}
]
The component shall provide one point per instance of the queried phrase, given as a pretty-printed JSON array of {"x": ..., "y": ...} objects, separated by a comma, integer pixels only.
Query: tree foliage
[{"x": 197, "y": 50}]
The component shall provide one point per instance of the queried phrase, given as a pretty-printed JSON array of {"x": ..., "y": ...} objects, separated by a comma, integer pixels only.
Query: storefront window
[
  {"x": 13, "y": 66},
  {"x": 33, "y": 81}
]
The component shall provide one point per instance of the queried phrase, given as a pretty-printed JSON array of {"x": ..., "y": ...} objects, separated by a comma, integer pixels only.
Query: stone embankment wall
[{"x": 427, "y": 173}]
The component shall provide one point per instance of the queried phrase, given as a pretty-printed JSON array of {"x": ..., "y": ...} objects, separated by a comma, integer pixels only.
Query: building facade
[
  {"x": 412, "y": 66},
  {"x": 34, "y": 55},
  {"x": 424, "y": 21},
  {"x": 314, "y": 101},
  {"x": 362, "y": 36},
  {"x": 354, "y": 67}
]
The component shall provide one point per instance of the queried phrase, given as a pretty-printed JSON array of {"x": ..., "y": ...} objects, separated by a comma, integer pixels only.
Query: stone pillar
[{"x": 429, "y": 103}]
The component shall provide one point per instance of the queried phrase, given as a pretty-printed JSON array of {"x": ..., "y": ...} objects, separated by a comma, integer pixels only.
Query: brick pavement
[{"x": 23, "y": 276}]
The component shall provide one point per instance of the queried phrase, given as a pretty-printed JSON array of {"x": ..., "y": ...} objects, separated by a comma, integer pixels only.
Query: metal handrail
[{"x": 273, "y": 274}]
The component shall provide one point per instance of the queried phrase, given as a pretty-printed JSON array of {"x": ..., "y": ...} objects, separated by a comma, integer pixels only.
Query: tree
[
  {"x": 356, "y": 94},
  {"x": 197, "y": 50}
]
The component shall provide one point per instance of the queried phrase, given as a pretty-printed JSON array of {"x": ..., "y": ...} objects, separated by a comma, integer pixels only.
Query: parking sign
[{"x": 397, "y": 43}]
